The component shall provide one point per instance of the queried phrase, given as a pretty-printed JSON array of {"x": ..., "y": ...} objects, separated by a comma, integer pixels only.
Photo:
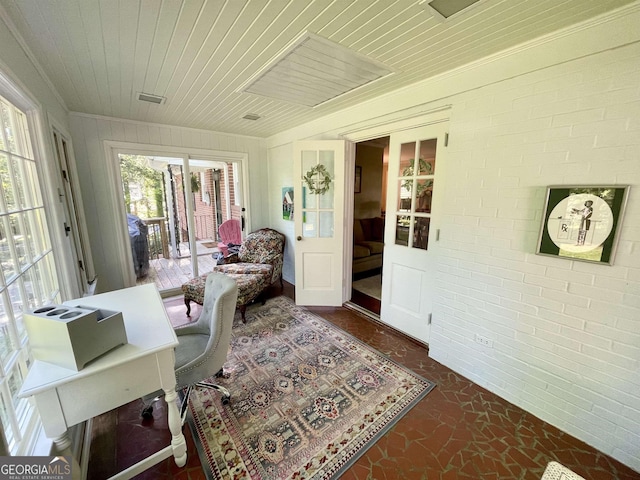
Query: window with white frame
[{"x": 28, "y": 277}]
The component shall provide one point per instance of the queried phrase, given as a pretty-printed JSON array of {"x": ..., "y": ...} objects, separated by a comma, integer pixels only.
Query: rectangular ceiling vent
[
  {"x": 313, "y": 70},
  {"x": 149, "y": 97},
  {"x": 251, "y": 116},
  {"x": 445, "y": 9}
]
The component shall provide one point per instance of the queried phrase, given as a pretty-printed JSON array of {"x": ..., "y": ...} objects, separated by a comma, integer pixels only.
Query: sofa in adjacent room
[{"x": 368, "y": 244}]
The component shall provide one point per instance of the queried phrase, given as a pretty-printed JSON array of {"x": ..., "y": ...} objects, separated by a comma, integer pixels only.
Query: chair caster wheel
[
  {"x": 225, "y": 400},
  {"x": 147, "y": 412}
]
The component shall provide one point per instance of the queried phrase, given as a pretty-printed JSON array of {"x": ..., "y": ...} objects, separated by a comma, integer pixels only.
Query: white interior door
[
  {"x": 319, "y": 221},
  {"x": 411, "y": 228}
]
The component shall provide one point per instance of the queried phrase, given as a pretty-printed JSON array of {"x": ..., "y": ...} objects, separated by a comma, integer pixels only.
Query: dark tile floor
[{"x": 459, "y": 430}]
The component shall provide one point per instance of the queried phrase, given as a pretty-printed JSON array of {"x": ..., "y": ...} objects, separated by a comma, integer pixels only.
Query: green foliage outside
[{"x": 142, "y": 186}]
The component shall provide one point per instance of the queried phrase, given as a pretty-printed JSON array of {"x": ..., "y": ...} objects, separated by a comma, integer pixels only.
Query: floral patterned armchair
[
  {"x": 255, "y": 267},
  {"x": 262, "y": 252}
]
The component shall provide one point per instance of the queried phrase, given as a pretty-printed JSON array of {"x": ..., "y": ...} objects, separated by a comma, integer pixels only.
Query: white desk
[{"x": 145, "y": 365}]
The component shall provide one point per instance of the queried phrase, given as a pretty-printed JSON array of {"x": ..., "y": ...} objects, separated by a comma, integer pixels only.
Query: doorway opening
[
  {"x": 167, "y": 247},
  {"x": 369, "y": 208}
]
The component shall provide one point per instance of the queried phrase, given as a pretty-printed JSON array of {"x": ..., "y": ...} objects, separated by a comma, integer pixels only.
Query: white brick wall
[{"x": 566, "y": 334}]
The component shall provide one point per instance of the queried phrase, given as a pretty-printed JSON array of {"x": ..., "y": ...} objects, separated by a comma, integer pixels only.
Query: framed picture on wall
[
  {"x": 582, "y": 222},
  {"x": 287, "y": 203},
  {"x": 358, "y": 179}
]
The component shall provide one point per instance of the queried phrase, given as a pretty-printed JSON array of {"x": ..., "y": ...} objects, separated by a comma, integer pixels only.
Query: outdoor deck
[{"x": 170, "y": 273}]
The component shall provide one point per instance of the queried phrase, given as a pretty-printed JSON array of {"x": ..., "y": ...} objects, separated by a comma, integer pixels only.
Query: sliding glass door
[{"x": 174, "y": 207}]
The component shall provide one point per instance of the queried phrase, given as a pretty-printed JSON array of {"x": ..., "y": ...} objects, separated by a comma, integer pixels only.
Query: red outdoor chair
[{"x": 229, "y": 232}]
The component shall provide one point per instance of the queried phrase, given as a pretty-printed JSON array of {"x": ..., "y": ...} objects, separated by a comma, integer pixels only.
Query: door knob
[{"x": 298, "y": 238}]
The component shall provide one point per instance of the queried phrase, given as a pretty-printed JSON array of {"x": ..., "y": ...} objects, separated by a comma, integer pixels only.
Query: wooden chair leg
[
  {"x": 243, "y": 309},
  {"x": 187, "y": 302}
]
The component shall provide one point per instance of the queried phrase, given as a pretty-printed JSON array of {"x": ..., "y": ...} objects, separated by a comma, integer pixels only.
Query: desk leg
[
  {"x": 178, "y": 442},
  {"x": 63, "y": 447}
]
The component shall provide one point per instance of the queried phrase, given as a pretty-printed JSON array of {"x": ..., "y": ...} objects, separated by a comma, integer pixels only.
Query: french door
[
  {"x": 411, "y": 228},
  {"x": 319, "y": 166}
]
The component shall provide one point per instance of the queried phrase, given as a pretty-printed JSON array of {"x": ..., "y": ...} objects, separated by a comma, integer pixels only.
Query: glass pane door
[{"x": 415, "y": 193}]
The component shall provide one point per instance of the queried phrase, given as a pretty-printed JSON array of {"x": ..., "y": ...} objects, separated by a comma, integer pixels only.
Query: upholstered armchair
[{"x": 262, "y": 252}]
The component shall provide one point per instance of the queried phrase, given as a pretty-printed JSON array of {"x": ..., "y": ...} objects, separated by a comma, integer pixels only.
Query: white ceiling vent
[
  {"x": 149, "y": 97},
  {"x": 313, "y": 70},
  {"x": 445, "y": 9}
]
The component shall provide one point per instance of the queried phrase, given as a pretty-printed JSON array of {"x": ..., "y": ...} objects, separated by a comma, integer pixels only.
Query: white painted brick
[
  {"x": 554, "y": 108},
  {"x": 613, "y": 139},
  {"x": 542, "y": 302},
  {"x": 629, "y": 324},
  {"x": 596, "y": 315},
  {"x": 563, "y": 391},
  {"x": 604, "y": 404},
  {"x": 611, "y": 333},
  {"x": 622, "y": 285},
  {"x": 562, "y": 319},
  {"x": 494, "y": 242},
  {"x": 570, "y": 144},
  {"x": 629, "y": 79},
  {"x": 528, "y": 102},
  {"x": 577, "y": 117},
  {"x": 631, "y": 300},
  {"x": 502, "y": 293},
  {"x": 578, "y": 356},
  {"x": 594, "y": 429},
  {"x": 520, "y": 307},
  {"x": 613, "y": 376},
  {"x": 505, "y": 274},
  {"x": 478, "y": 211},
  {"x": 563, "y": 298},
  {"x": 594, "y": 292},
  {"x": 495, "y": 309},
  {"x": 570, "y": 276},
  {"x": 621, "y": 312},
  {"x": 631, "y": 413},
  {"x": 563, "y": 83},
  {"x": 630, "y": 442},
  {"x": 610, "y": 384},
  {"x": 633, "y": 275},
  {"x": 600, "y": 270},
  {"x": 602, "y": 160},
  {"x": 586, "y": 338},
  {"x": 548, "y": 283},
  {"x": 570, "y": 335},
  {"x": 632, "y": 260},
  {"x": 623, "y": 110},
  {"x": 611, "y": 100},
  {"x": 521, "y": 287},
  {"x": 538, "y": 323},
  {"x": 626, "y": 350},
  {"x": 511, "y": 234},
  {"x": 599, "y": 128}
]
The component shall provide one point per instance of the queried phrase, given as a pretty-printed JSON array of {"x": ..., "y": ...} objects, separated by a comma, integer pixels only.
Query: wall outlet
[{"x": 482, "y": 340}]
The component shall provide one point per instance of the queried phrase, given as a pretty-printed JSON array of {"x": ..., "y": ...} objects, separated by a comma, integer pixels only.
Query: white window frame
[{"x": 27, "y": 435}]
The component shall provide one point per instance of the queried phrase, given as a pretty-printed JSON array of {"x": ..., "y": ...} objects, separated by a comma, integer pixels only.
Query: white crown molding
[{"x": 4, "y": 16}]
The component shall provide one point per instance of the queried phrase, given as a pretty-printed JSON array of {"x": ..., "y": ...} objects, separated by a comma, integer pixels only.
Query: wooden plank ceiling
[{"x": 99, "y": 54}]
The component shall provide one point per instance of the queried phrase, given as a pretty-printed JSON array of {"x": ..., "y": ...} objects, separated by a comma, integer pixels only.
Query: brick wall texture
[{"x": 566, "y": 334}]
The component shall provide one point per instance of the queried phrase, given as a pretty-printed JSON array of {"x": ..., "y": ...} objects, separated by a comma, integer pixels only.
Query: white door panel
[
  {"x": 412, "y": 216},
  {"x": 319, "y": 221}
]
